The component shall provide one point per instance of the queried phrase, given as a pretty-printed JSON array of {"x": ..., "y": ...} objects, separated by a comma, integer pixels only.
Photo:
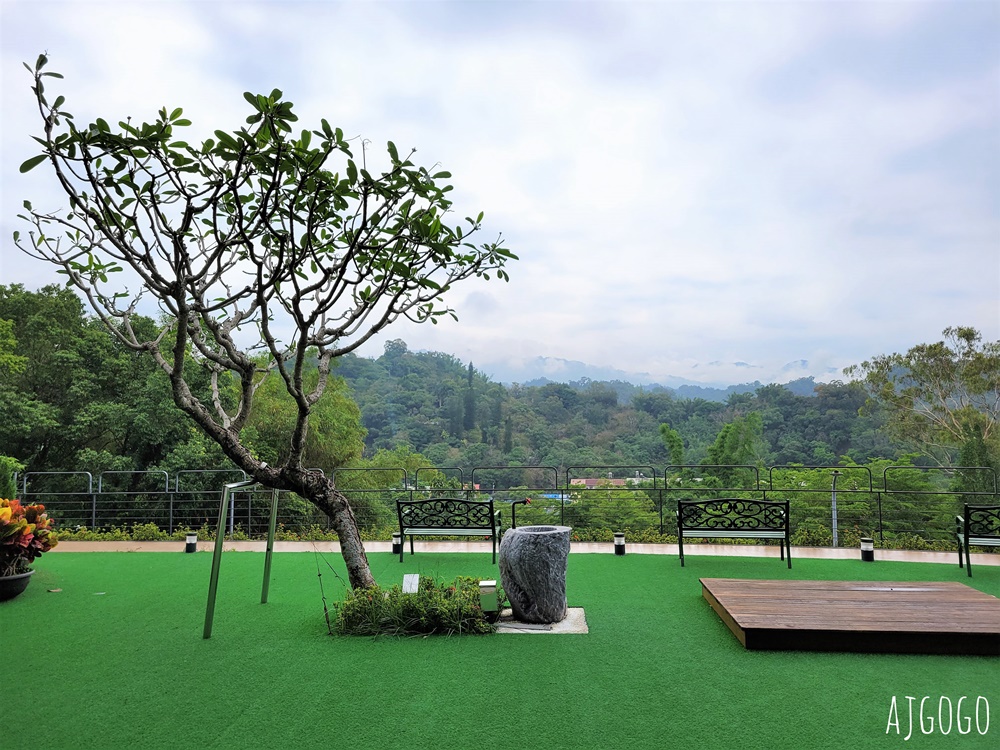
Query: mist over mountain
[{"x": 716, "y": 378}]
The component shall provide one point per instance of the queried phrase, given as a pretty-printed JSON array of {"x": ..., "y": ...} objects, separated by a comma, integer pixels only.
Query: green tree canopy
[
  {"x": 939, "y": 396},
  {"x": 255, "y": 241}
]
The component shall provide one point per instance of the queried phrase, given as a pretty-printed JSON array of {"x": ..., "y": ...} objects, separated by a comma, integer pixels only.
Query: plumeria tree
[{"x": 269, "y": 253}]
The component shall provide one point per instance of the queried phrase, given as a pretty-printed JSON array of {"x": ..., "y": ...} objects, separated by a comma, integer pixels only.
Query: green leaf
[
  {"x": 392, "y": 151},
  {"x": 226, "y": 140},
  {"x": 30, "y": 164},
  {"x": 252, "y": 99},
  {"x": 176, "y": 113}
]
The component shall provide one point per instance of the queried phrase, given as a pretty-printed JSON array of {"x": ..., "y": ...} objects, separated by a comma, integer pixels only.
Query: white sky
[{"x": 686, "y": 183}]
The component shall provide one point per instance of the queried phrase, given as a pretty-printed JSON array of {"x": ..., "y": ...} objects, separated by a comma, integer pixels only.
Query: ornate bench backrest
[
  {"x": 984, "y": 520},
  {"x": 444, "y": 513},
  {"x": 733, "y": 513}
]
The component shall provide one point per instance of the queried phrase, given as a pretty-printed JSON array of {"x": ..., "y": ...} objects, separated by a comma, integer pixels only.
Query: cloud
[{"x": 684, "y": 182}]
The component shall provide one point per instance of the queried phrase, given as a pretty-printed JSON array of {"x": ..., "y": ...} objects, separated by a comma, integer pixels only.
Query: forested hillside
[
  {"x": 455, "y": 416},
  {"x": 71, "y": 399}
]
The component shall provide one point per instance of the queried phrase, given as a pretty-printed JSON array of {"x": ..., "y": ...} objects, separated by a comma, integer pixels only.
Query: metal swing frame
[{"x": 213, "y": 586}]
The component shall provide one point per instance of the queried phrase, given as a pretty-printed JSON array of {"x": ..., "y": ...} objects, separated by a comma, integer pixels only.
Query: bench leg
[
  {"x": 411, "y": 544},
  {"x": 402, "y": 543},
  {"x": 680, "y": 546},
  {"x": 788, "y": 544}
]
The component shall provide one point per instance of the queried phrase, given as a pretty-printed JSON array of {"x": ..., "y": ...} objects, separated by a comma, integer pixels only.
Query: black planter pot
[{"x": 11, "y": 586}]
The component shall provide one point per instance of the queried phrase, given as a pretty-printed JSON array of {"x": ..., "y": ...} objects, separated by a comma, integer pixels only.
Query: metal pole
[
  {"x": 93, "y": 500},
  {"x": 220, "y": 537},
  {"x": 270, "y": 546},
  {"x": 833, "y": 501},
  {"x": 881, "y": 529}
]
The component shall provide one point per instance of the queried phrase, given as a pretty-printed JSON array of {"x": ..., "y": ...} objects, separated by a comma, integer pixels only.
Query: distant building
[{"x": 594, "y": 482}]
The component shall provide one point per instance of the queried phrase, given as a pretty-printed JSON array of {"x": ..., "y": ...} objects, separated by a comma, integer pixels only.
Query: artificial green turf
[{"x": 117, "y": 660}]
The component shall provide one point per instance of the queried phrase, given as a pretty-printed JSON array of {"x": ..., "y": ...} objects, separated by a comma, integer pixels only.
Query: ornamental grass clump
[
  {"x": 434, "y": 609},
  {"x": 25, "y": 533}
]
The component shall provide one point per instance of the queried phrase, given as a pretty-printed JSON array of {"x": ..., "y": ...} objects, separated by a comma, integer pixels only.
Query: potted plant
[{"x": 25, "y": 533}]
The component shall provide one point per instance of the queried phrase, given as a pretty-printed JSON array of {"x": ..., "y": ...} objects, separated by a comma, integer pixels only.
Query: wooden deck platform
[{"x": 874, "y": 617}]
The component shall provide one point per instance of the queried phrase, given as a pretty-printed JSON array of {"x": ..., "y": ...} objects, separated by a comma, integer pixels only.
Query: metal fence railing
[{"x": 830, "y": 505}]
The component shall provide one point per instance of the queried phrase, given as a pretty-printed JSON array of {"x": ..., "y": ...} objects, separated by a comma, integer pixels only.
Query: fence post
[
  {"x": 833, "y": 505},
  {"x": 881, "y": 530}
]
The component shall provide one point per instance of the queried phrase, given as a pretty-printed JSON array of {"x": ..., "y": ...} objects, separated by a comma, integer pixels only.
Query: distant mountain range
[{"x": 541, "y": 370}]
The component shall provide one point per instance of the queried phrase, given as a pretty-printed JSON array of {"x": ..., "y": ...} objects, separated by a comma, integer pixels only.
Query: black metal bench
[
  {"x": 447, "y": 517},
  {"x": 978, "y": 526},
  {"x": 733, "y": 518}
]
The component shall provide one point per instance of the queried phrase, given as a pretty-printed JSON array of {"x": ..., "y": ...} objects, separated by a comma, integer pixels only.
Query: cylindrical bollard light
[
  {"x": 488, "y": 600},
  {"x": 867, "y": 549},
  {"x": 397, "y": 543},
  {"x": 191, "y": 542},
  {"x": 619, "y": 544}
]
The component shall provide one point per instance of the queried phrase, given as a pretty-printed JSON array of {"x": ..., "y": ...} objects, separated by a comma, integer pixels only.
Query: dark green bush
[
  {"x": 435, "y": 609},
  {"x": 811, "y": 534},
  {"x": 639, "y": 536}
]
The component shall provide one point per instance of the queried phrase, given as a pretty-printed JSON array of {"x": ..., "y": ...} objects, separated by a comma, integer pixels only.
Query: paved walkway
[{"x": 604, "y": 548}]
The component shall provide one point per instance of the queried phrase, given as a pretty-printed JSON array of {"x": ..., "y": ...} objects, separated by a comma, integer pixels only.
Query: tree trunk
[
  {"x": 314, "y": 486},
  {"x": 319, "y": 490}
]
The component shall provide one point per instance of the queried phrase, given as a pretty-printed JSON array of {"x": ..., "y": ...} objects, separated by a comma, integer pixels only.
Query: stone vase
[{"x": 533, "y": 572}]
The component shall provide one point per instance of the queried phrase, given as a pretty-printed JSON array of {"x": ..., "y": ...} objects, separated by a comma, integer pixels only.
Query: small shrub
[
  {"x": 435, "y": 609},
  {"x": 640, "y": 536},
  {"x": 378, "y": 534},
  {"x": 812, "y": 535},
  {"x": 148, "y": 532},
  {"x": 914, "y": 542},
  {"x": 238, "y": 535}
]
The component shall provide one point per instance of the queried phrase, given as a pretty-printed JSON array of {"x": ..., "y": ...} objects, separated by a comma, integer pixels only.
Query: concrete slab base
[{"x": 575, "y": 622}]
